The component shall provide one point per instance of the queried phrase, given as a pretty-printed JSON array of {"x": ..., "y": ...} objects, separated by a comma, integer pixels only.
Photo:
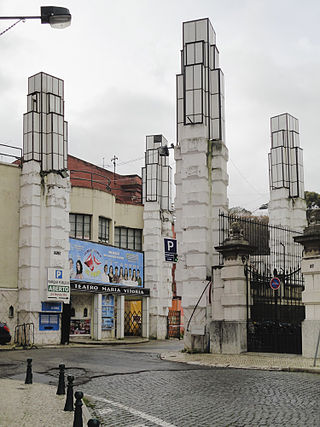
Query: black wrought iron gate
[{"x": 274, "y": 316}]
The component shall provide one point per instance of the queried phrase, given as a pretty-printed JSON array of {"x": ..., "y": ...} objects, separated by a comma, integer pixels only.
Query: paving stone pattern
[{"x": 208, "y": 397}]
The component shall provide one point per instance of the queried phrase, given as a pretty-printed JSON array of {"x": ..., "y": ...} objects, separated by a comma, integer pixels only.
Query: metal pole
[
  {"x": 317, "y": 348},
  {"x": 20, "y": 17}
]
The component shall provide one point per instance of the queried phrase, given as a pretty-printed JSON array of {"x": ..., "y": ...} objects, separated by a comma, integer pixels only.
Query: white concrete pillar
[
  {"x": 310, "y": 268},
  {"x": 120, "y": 317},
  {"x": 145, "y": 317},
  {"x": 97, "y": 316},
  {"x": 201, "y": 173},
  {"x": 158, "y": 221},
  {"x": 43, "y": 241}
]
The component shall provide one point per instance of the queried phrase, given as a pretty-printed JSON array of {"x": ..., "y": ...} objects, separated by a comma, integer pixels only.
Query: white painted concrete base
[
  {"x": 310, "y": 335},
  {"x": 228, "y": 337},
  {"x": 158, "y": 327}
]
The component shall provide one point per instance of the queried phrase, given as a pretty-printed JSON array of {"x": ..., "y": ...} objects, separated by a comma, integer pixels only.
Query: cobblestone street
[
  {"x": 207, "y": 397},
  {"x": 131, "y": 386}
]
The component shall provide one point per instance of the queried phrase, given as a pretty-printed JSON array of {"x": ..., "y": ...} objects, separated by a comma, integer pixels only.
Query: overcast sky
[{"x": 119, "y": 60}]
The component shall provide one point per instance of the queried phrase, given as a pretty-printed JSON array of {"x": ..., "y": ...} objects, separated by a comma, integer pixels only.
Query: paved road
[{"x": 132, "y": 386}]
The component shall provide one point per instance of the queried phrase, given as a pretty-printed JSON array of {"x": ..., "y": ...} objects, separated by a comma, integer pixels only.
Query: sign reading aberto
[{"x": 58, "y": 285}]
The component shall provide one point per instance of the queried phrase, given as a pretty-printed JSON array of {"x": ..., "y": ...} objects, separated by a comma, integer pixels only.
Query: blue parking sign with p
[
  {"x": 170, "y": 249},
  {"x": 58, "y": 274}
]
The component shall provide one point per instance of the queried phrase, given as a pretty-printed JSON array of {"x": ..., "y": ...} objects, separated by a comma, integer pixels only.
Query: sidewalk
[
  {"x": 263, "y": 361},
  {"x": 33, "y": 405},
  {"x": 82, "y": 341}
]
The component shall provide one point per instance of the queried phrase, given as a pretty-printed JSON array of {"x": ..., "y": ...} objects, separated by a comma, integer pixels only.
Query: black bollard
[
  {"x": 69, "y": 401},
  {"x": 61, "y": 385},
  {"x": 29, "y": 372},
  {"x": 93, "y": 423},
  {"x": 77, "y": 420}
]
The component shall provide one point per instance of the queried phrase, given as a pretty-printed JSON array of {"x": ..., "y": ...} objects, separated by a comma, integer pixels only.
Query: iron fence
[{"x": 274, "y": 250}]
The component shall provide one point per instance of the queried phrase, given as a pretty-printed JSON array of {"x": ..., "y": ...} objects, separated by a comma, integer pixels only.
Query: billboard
[{"x": 97, "y": 263}]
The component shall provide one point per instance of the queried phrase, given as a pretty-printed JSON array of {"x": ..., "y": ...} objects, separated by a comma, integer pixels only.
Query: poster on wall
[
  {"x": 107, "y": 312},
  {"x": 80, "y": 327},
  {"x": 107, "y": 323},
  {"x": 94, "y": 262}
]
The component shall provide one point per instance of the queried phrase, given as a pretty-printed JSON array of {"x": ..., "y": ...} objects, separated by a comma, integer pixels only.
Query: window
[
  {"x": 103, "y": 234},
  {"x": 80, "y": 226},
  {"x": 128, "y": 238},
  {"x": 11, "y": 311}
]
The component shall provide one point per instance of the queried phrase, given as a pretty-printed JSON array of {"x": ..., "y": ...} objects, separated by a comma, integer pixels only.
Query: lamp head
[{"x": 57, "y": 17}]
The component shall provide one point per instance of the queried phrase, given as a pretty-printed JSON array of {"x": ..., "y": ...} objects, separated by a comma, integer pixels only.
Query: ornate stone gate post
[
  {"x": 310, "y": 268},
  {"x": 229, "y": 334}
]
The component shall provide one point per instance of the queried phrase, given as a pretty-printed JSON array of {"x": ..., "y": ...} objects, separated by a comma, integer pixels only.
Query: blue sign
[
  {"x": 107, "y": 312},
  {"x": 96, "y": 263},
  {"x": 170, "y": 249},
  {"x": 51, "y": 306},
  {"x": 275, "y": 283},
  {"x": 58, "y": 274}
]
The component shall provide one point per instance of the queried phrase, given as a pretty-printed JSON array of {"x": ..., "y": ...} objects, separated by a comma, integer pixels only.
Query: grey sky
[{"x": 119, "y": 60}]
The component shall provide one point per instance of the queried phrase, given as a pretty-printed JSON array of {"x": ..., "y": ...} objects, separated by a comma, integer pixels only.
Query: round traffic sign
[{"x": 275, "y": 283}]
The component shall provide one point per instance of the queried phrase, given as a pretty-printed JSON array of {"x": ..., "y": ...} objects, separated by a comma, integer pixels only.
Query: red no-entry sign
[{"x": 275, "y": 283}]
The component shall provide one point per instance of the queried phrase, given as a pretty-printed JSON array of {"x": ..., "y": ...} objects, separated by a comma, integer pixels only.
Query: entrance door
[
  {"x": 65, "y": 323},
  {"x": 133, "y": 318}
]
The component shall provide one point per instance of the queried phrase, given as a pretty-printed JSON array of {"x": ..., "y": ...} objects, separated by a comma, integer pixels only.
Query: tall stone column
[
  {"x": 158, "y": 220},
  {"x": 145, "y": 317},
  {"x": 201, "y": 171},
  {"x": 44, "y": 199},
  {"x": 310, "y": 268},
  {"x": 97, "y": 316},
  {"x": 120, "y": 317}
]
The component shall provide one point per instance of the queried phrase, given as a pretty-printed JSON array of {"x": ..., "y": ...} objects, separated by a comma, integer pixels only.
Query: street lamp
[
  {"x": 164, "y": 150},
  {"x": 57, "y": 17}
]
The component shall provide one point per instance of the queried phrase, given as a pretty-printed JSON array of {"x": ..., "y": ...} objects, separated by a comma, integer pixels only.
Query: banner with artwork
[{"x": 97, "y": 263}]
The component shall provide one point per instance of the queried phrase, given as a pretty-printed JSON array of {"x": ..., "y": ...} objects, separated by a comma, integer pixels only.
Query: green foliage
[{"x": 312, "y": 199}]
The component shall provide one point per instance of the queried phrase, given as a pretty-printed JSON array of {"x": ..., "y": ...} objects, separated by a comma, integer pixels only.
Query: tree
[
  {"x": 239, "y": 211},
  {"x": 312, "y": 199}
]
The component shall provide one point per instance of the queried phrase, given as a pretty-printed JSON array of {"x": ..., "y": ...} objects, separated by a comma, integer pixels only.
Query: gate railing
[
  {"x": 274, "y": 247},
  {"x": 174, "y": 324},
  {"x": 24, "y": 335},
  {"x": 132, "y": 323},
  {"x": 274, "y": 316}
]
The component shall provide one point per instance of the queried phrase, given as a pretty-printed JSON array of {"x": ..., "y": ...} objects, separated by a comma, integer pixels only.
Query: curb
[
  {"x": 73, "y": 344},
  {"x": 310, "y": 370}
]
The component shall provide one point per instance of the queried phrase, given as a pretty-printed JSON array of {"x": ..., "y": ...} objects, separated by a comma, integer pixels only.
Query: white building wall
[{"x": 43, "y": 243}]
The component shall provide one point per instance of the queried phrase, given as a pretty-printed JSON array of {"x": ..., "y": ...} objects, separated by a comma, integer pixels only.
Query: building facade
[{"x": 60, "y": 212}]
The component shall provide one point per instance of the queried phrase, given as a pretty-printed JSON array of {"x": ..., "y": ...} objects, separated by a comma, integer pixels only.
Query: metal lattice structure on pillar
[
  {"x": 45, "y": 132},
  {"x": 200, "y": 86}
]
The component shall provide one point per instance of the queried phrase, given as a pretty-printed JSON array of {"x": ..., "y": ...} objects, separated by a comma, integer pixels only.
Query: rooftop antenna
[{"x": 114, "y": 160}]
